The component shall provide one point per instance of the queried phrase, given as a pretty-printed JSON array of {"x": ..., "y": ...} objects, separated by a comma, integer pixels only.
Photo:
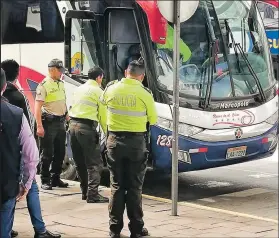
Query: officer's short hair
[
  {"x": 136, "y": 68},
  {"x": 95, "y": 72},
  {"x": 2, "y": 80},
  {"x": 11, "y": 68}
]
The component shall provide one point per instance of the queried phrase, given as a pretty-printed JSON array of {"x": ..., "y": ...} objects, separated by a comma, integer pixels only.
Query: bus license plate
[{"x": 236, "y": 152}]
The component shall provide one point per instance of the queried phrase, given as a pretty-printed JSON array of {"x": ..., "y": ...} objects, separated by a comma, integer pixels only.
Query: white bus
[{"x": 228, "y": 92}]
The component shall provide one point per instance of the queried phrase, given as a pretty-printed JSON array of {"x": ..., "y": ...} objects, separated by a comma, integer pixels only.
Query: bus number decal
[{"x": 164, "y": 140}]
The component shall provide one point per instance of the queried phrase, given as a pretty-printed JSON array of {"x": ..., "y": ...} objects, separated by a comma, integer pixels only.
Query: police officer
[
  {"x": 130, "y": 107},
  {"x": 85, "y": 114},
  {"x": 50, "y": 115}
]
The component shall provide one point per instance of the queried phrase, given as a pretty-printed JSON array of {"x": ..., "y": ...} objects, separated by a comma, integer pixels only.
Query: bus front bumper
[{"x": 197, "y": 155}]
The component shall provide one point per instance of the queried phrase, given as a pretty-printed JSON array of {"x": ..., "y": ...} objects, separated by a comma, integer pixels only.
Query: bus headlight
[
  {"x": 273, "y": 119},
  {"x": 183, "y": 129}
]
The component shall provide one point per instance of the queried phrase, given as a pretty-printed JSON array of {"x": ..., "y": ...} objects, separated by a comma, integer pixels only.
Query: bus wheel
[{"x": 69, "y": 171}]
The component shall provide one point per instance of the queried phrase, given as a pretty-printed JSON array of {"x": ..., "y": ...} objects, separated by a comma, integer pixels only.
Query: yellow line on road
[{"x": 189, "y": 204}]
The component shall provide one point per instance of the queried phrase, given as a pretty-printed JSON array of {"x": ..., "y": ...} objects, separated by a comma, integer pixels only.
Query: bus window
[
  {"x": 83, "y": 46},
  {"x": 122, "y": 45},
  {"x": 36, "y": 21}
]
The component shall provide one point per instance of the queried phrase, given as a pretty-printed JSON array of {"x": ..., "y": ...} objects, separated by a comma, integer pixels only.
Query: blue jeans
[
  {"x": 34, "y": 208},
  {"x": 7, "y": 213}
]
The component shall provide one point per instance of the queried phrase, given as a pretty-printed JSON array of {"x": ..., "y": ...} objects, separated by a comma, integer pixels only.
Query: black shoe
[
  {"x": 114, "y": 235},
  {"x": 14, "y": 233},
  {"x": 84, "y": 197},
  {"x": 136, "y": 236},
  {"x": 144, "y": 232},
  {"x": 46, "y": 186},
  {"x": 47, "y": 234},
  {"x": 97, "y": 199},
  {"x": 59, "y": 183}
]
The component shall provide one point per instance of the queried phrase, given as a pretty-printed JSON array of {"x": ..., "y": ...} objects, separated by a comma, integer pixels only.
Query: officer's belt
[
  {"x": 126, "y": 133},
  {"x": 49, "y": 117},
  {"x": 85, "y": 121}
]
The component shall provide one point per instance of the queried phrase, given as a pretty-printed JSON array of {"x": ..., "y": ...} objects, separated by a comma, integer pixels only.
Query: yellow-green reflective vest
[
  {"x": 86, "y": 103},
  {"x": 55, "y": 90},
  {"x": 184, "y": 49},
  {"x": 129, "y": 106}
]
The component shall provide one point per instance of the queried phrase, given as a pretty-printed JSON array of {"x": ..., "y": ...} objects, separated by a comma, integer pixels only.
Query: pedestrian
[
  {"x": 12, "y": 92},
  {"x": 17, "y": 98},
  {"x": 130, "y": 107},
  {"x": 85, "y": 115},
  {"x": 51, "y": 114},
  {"x": 17, "y": 147}
]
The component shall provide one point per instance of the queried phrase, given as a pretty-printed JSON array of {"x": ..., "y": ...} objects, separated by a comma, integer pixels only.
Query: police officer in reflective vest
[
  {"x": 130, "y": 107},
  {"x": 50, "y": 114},
  {"x": 85, "y": 114}
]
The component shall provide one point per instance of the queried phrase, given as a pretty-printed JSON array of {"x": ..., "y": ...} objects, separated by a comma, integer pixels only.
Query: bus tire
[{"x": 69, "y": 173}]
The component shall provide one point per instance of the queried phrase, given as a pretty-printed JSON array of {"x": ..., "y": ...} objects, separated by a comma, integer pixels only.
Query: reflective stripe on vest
[
  {"x": 86, "y": 102},
  {"x": 126, "y": 113},
  {"x": 55, "y": 91}
]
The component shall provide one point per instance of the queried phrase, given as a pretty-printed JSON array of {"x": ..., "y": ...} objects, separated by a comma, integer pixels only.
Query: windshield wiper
[
  {"x": 233, "y": 43},
  {"x": 212, "y": 54},
  {"x": 252, "y": 72},
  {"x": 239, "y": 47}
]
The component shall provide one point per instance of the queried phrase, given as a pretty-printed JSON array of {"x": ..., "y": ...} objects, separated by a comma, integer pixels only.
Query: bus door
[
  {"x": 82, "y": 47},
  {"x": 123, "y": 43}
]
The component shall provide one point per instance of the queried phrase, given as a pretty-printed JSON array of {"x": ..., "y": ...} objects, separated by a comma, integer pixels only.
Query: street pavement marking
[
  {"x": 211, "y": 209},
  {"x": 207, "y": 200},
  {"x": 212, "y": 184},
  {"x": 252, "y": 171},
  {"x": 165, "y": 200},
  {"x": 258, "y": 176},
  {"x": 246, "y": 193}
]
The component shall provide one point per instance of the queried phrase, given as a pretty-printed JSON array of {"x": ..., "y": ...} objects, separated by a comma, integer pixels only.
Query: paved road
[{"x": 250, "y": 188}]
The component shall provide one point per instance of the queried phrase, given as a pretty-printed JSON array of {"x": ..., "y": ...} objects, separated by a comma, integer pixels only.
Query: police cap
[
  {"x": 2, "y": 80},
  {"x": 57, "y": 63}
]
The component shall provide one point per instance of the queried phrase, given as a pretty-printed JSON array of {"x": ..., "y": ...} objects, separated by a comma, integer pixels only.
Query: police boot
[
  {"x": 46, "y": 234},
  {"x": 96, "y": 199},
  {"x": 114, "y": 235},
  {"x": 57, "y": 182},
  {"x": 136, "y": 236},
  {"x": 93, "y": 195},
  {"x": 46, "y": 185},
  {"x": 144, "y": 232},
  {"x": 14, "y": 233}
]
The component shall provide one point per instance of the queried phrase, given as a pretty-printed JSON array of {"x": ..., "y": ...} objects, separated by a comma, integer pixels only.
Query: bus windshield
[{"x": 219, "y": 45}]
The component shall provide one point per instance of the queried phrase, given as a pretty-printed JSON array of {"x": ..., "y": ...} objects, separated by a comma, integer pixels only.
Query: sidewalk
[{"x": 64, "y": 212}]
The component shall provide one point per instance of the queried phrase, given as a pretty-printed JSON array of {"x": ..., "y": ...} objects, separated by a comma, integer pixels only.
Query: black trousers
[
  {"x": 84, "y": 139},
  {"x": 127, "y": 162},
  {"x": 52, "y": 149}
]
